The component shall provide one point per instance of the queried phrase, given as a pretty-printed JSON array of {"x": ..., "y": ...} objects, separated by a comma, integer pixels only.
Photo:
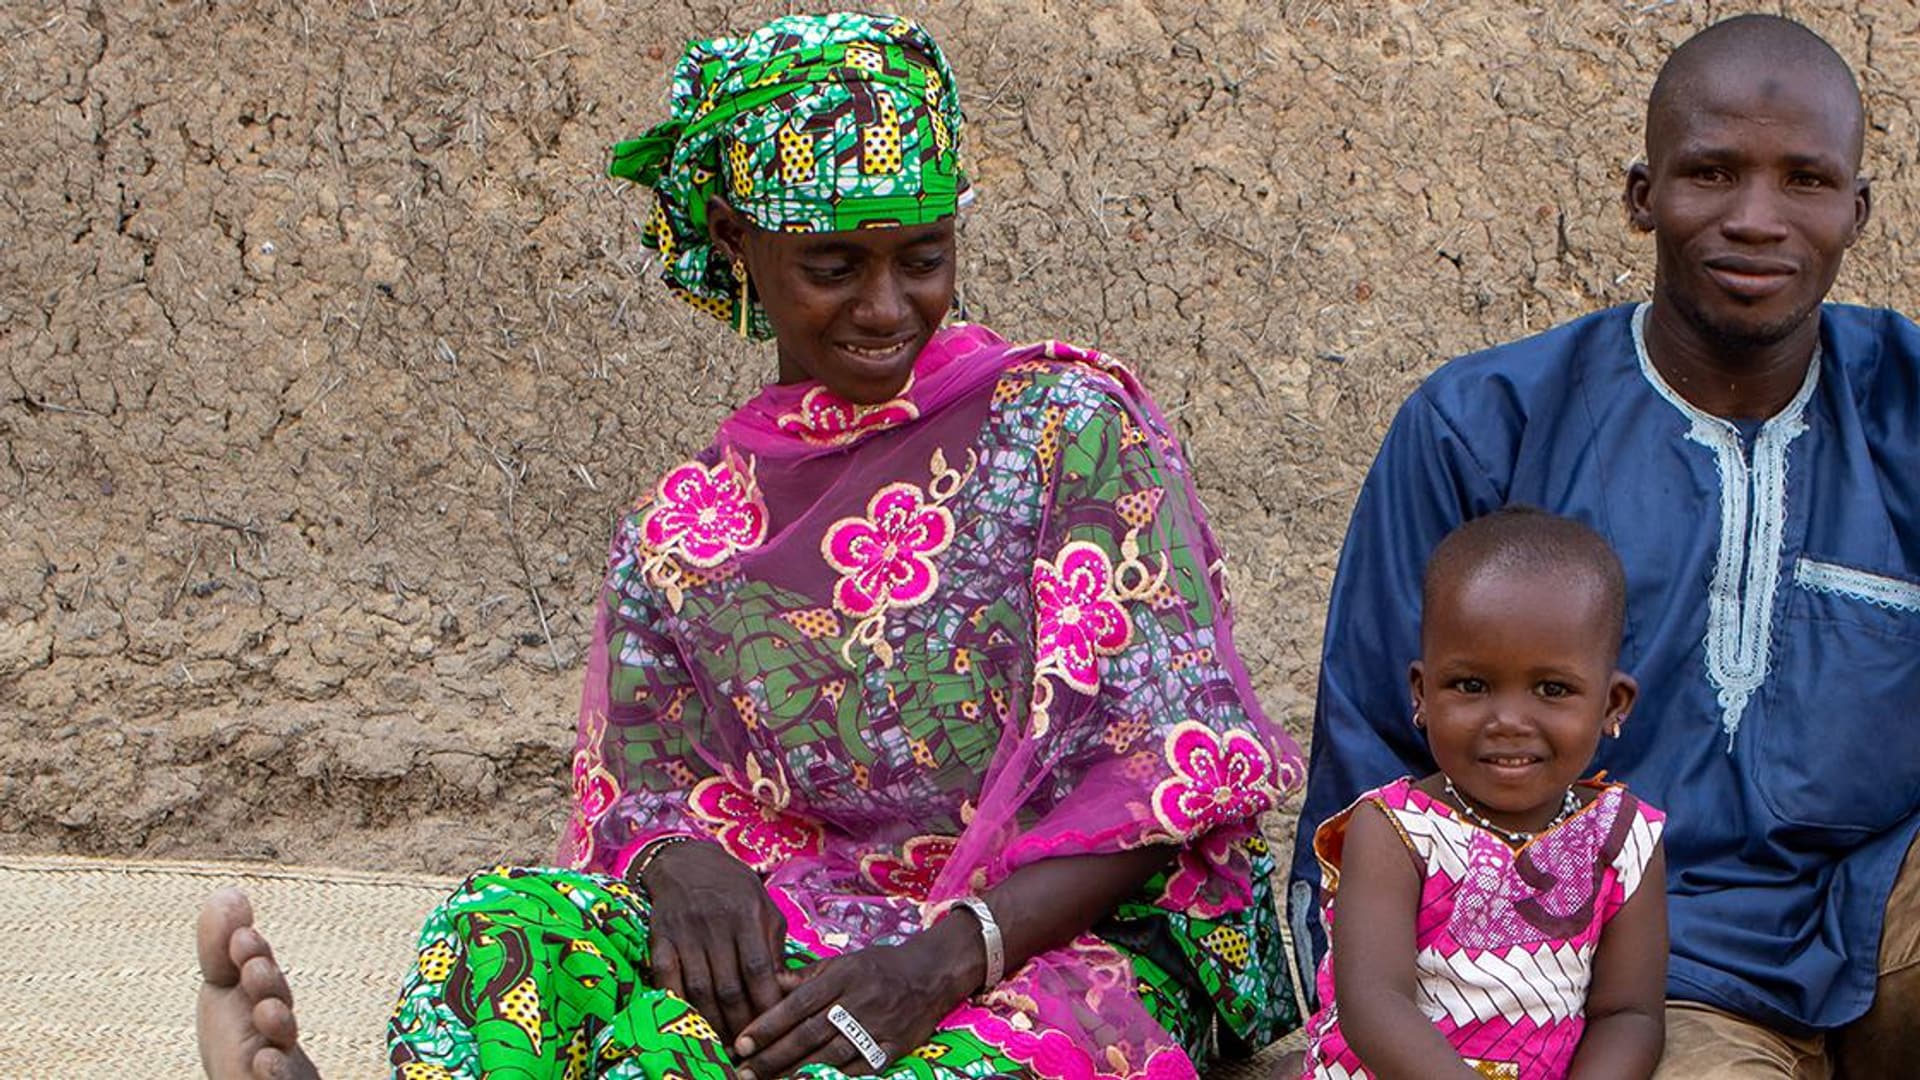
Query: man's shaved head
[{"x": 1789, "y": 55}]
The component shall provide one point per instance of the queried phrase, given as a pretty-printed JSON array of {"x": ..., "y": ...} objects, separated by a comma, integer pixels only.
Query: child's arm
[
  {"x": 1373, "y": 948},
  {"x": 1627, "y": 1001}
]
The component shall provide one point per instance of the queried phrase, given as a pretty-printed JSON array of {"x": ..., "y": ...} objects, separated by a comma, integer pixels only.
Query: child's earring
[
  {"x": 1419, "y": 718},
  {"x": 1614, "y": 728},
  {"x": 742, "y": 304}
]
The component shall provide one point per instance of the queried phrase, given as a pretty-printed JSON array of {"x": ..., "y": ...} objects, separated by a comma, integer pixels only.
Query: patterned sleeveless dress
[{"x": 1505, "y": 938}]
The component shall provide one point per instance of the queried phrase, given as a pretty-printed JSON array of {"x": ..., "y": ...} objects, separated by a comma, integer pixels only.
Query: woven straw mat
[{"x": 100, "y": 974}]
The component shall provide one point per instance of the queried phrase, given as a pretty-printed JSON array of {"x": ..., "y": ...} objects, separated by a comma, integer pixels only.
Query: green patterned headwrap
[{"x": 812, "y": 123}]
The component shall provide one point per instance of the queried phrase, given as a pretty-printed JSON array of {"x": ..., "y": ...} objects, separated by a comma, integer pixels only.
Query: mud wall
[{"x": 330, "y": 357}]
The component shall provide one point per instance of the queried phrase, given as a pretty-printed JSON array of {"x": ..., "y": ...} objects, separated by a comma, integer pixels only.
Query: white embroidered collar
[
  {"x": 1788, "y": 413},
  {"x": 1753, "y": 515}
]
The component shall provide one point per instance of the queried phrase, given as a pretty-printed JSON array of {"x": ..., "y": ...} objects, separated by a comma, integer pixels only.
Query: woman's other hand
[
  {"x": 718, "y": 940},
  {"x": 897, "y": 992}
]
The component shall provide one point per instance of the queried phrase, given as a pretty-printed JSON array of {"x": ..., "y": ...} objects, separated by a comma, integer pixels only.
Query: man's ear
[
  {"x": 1862, "y": 208},
  {"x": 1635, "y": 196}
]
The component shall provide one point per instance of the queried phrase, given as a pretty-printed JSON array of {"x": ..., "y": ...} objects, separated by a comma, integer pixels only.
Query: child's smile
[{"x": 1514, "y": 686}]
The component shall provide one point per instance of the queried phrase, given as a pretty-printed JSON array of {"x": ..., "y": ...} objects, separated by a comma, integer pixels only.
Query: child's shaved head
[{"x": 1532, "y": 541}]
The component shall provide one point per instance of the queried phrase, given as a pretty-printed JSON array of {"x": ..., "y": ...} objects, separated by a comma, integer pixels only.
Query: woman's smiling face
[{"x": 850, "y": 309}]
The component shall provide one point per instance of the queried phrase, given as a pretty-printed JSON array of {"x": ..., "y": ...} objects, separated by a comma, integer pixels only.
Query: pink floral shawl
[{"x": 888, "y": 654}]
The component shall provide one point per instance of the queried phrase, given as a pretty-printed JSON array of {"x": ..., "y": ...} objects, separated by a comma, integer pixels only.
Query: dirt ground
[{"x": 330, "y": 356}]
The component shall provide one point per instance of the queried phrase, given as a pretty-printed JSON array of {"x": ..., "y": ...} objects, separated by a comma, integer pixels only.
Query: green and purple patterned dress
[{"x": 886, "y": 655}]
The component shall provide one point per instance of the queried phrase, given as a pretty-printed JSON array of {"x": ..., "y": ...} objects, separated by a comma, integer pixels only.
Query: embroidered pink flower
[
  {"x": 706, "y": 514},
  {"x": 1051, "y": 1052},
  {"x": 757, "y": 834},
  {"x": 1170, "y": 1063},
  {"x": 594, "y": 793},
  {"x": 1048, "y": 1052},
  {"x": 1217, "y": 779},
  {"x": 593, "y": 797},
  {"x": 1078, "y": 616},
  {"x": 1203, "y": 881},
  {"x": 824, "y": 418},
  {"x": 593, "y": 787},
  {"x": 886, "y": 559},
  {"x": 913, "y": 872},
  {"x": 576, "y": 844}
]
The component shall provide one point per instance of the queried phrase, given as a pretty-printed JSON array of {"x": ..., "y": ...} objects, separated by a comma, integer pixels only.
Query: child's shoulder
[
  {"x": 1633, "y": 830},
  {"x": 1599, "y": 789},
  {"x": 1395, "y": 793},
  {"x": 1394, "y": 799},
  {"x": 1400, "y": 802},
  {"x": 1383, "y": 808}
]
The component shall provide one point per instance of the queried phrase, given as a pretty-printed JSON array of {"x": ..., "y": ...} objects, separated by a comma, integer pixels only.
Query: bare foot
[{"x": 245, "y": 1015}]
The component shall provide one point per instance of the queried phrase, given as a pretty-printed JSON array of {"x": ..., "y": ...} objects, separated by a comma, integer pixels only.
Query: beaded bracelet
[{"x": 644, "y": 858}]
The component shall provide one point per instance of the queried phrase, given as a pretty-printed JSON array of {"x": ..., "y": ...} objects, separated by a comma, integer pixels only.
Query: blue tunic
[{"x": 1773, "y": 620}]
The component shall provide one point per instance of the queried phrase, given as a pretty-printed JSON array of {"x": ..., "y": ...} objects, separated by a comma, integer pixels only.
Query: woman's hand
[
  {"x": 897, "y": 992},
  {"x": 718, "y": 940}
]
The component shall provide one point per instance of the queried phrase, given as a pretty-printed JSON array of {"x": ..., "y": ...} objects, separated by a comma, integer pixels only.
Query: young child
[{"x": 1490, "y": 920}]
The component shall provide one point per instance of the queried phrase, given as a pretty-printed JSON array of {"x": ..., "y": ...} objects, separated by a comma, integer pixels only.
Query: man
[{"x": 1754, "y": 456}]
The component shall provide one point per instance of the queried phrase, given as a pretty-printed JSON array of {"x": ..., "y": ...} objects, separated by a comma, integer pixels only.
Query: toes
[
  {"x": 246, "y": 946},
  {"x": 272, "y": 1064},
  {"x": 262, "y": 980},
  {"x": 222, "y": 916},
  {"x": 273, "y": 1019}
]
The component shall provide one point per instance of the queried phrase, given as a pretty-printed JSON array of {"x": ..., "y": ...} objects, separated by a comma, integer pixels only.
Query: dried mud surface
[{"x": 329, "y": 357}]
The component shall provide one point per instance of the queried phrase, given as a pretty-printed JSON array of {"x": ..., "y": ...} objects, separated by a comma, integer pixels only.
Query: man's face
[{"x": 1752, "y": 194}]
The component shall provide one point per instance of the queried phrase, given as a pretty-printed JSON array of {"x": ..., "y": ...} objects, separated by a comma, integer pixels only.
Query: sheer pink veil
[{"x": 1150, "y": 734}]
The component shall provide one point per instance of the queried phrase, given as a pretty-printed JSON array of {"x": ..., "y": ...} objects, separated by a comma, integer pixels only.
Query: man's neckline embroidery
[{"x": 1753, "y": 515}]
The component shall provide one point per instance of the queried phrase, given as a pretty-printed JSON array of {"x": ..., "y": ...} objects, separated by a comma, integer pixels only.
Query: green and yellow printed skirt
[{"x": 538, "y": 974}]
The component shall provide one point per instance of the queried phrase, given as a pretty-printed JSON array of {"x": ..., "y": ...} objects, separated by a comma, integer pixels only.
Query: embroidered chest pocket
[{"x": 1839, "y": 739}]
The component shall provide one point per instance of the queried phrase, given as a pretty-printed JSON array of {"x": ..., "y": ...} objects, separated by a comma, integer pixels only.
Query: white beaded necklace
[{"x": 1513, "y": 837}]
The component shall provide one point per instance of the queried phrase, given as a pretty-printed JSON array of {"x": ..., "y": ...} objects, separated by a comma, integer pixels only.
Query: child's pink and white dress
[{"x": 1504, "y": 938}]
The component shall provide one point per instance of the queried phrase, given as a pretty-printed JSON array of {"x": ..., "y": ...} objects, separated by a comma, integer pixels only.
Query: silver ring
[{"x": 839, "y": 1017}]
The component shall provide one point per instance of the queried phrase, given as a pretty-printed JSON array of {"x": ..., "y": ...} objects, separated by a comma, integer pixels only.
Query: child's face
[{"x": 1515, "y": 684}]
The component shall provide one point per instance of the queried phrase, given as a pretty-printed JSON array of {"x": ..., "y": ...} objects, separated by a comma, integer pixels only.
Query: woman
[{"x": 913, "y": 740}]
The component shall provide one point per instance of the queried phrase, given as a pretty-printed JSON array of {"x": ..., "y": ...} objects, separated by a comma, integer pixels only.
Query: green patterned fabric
[
  {"x": 1237, "y": 959},
  {"x": 812, "y": 123},
  {"x": 541, "y": 974}
]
